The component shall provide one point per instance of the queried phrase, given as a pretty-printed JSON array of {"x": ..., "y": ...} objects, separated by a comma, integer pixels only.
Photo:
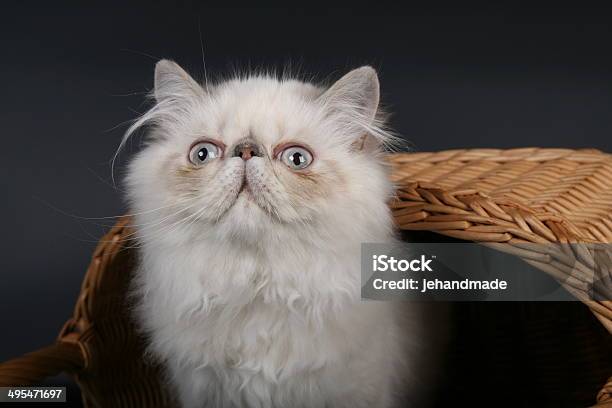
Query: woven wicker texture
[
  {"x": 99, "y": 345},
  {"x": 528, "y": 202},
  {"x": 506, "y": 198}
]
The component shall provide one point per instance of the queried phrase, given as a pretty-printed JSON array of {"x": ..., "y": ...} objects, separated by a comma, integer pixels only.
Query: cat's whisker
[
  {"x": 197, "y": 217},
  {"x": 192, "y": 200},
  {"x": 147, "y": 226},
  {"x": 196, "y": 199},
  {"x": 173, "y": 227},
  {"x": 134, "y": 236},
  {"x": 110, "y": 217}
]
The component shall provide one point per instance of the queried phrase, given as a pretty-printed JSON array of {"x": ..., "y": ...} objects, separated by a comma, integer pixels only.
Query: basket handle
[{"x": 34, "y": 367}]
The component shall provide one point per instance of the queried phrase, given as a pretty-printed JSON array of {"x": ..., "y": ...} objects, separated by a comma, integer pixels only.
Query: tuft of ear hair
[
  {"x": 352, "y": 104},
  {"x": 173, "y": 83}
]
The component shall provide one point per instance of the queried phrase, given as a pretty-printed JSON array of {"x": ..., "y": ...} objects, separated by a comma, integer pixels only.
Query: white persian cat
[{"x": 251, "y": 200}]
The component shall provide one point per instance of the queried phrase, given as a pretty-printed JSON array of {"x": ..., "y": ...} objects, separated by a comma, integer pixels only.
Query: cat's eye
[
  {"x": 296, "y": 157},
  {"x": 203, "y": 152}
]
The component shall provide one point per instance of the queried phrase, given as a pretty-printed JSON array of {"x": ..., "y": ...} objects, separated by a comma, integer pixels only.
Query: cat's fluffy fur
[{"x": 249, "y": 279}]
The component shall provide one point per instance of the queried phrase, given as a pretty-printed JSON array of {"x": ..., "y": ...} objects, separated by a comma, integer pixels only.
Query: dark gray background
[{"x": 71, "y": 76}]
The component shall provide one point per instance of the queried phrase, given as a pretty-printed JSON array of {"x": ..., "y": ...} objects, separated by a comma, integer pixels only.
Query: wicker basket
[{"x": 503, "y": 198}]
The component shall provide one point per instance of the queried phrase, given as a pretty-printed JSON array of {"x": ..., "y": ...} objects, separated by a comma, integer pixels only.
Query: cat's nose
[{"x": 247, "y": 150}]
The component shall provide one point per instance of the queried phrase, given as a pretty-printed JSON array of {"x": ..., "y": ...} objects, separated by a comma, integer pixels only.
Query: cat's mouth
[
  {"x": 251, "y": 196},
  {"x": 246, "y": 191}
]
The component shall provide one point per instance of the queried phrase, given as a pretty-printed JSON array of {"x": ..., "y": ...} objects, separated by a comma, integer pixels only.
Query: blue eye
[
  {"x": 296, "y": 158},
  {"x": 204, "y": 152}
]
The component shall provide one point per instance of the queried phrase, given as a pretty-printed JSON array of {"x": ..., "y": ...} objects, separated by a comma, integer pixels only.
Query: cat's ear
[
  {"x": 355, "y": 96},
  {"x": 352, "y": 103},
  {"x": 173, "y": 82}
]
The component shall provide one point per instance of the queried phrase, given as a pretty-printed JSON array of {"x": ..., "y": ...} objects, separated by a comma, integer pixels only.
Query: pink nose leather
[
  {"x": 246, "y": 153},
  {"x": 247, "y": 150}
]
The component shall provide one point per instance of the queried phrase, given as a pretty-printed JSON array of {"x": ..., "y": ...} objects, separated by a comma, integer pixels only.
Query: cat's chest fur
[
  {"x": 243, "y": 318},
  {"x": 244, "y": 305}
]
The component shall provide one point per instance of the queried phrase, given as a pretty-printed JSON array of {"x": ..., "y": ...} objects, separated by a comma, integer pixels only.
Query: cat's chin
[
  {"x": 244, "y": 220},
  {"x": 246, "y": 205}
]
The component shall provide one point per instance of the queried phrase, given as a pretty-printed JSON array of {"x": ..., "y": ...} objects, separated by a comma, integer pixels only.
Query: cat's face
[{"x": 249, "y": 154}]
